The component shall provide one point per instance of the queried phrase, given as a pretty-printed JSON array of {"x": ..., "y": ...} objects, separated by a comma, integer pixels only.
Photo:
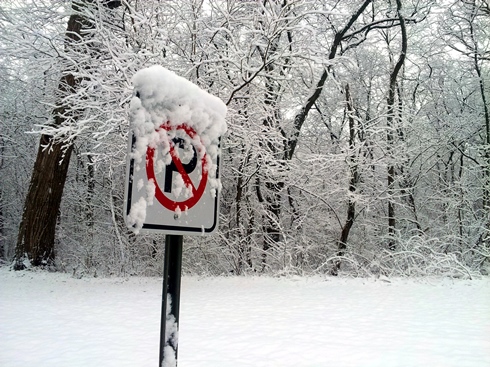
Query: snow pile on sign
[{"x": 162, "y": 97}]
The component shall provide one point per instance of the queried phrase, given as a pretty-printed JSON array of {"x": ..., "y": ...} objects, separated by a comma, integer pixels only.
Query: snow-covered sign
[{"x": 173, "y": 168}]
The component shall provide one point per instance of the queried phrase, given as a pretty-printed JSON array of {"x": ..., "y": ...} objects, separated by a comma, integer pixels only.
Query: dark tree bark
[
  {"x": 353, "y": 183},
  {"x": 390, "y": 135},
  {"x": 271, "y": 196},
  {"x": 244, "y": 249},
  {"x": 484, "y": 8},
  {"x": 345, "y": 35},
  {"x": 477, "y": 59},
  {"x": 37, "y": 228},
  {"x": 301, "y": 116},
  {"x": 36, "y": 235},
  {"x": 2, "y": 214}
]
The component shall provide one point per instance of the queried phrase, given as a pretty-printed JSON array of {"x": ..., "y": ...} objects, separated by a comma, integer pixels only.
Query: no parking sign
[
  {"x": 173, "y": 169},
  {"x": 172, "y": 176}
]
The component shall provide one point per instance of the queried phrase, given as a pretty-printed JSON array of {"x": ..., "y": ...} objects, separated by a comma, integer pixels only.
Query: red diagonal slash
[{"x": 178, "y": 164}]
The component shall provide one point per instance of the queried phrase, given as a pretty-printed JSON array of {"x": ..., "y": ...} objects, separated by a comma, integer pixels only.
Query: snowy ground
[{"x": 53, "y": 320}]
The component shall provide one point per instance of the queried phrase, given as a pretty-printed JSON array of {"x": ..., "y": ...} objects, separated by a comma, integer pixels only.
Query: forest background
[{"x": 358, "y": 135}]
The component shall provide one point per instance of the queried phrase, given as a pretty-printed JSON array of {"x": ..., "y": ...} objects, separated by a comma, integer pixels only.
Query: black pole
[{"x": 171, "y": 291}]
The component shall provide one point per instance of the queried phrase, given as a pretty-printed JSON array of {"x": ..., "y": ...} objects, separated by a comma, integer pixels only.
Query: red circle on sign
[{"x": 196, "y": 192}]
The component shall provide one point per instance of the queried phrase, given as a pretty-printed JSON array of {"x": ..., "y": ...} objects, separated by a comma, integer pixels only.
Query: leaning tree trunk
[{"x": 37, "y": 229}]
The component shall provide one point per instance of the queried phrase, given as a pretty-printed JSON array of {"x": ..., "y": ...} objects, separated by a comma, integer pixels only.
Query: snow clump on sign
[{"x": 162, "y": 97}]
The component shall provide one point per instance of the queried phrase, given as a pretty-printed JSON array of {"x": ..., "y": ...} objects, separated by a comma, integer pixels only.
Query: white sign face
[
  {"x": 173, "y": 188},
  {"x": 172, "y": 173}
]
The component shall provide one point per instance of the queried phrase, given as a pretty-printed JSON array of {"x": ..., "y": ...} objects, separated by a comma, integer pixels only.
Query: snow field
[{"x": 51, "y": 319}]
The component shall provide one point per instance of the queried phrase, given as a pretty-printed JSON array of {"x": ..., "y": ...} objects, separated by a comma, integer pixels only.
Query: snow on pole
[{"x": 169, "y": 322}]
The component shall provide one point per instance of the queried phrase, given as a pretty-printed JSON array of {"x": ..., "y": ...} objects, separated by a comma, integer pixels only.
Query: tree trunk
[
  {"x": 301, "y": 116},
  {"x": 486, "y": 116},
  {"x": 274, "y": 148},
  {"x": 353, "y": 183},
  {"x": 37, "y": 228},
  {"x": 2, "y": 220},
  {"x": 391, "y": 130},
  {"x": 36, "y": 235},
  {"x": 243, "y": 242},
  {"x": 2, "y": 214}
]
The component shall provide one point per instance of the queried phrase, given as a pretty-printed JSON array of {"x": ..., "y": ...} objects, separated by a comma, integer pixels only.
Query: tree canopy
[{"x": 358, "y": 131}]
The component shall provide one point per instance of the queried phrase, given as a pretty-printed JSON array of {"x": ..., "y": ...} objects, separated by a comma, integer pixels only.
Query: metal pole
[{"x": 171, "y": 291}]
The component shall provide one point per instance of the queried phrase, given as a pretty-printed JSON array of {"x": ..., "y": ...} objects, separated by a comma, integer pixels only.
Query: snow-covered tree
[{"x": 342, "y": 142}]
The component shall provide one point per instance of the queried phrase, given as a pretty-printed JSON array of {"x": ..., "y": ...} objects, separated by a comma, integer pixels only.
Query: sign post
[
  {"x": 172, "y": 176},
  {"x": 170, "y": 298}
]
